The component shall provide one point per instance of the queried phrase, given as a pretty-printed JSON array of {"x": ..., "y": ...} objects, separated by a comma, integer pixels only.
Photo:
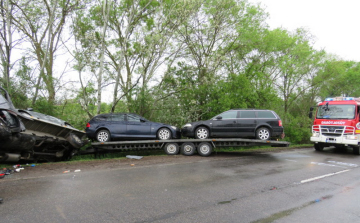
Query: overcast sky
[{"x": 334, "y": 23}]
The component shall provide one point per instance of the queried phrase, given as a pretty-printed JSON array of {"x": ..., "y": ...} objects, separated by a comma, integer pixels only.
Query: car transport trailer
[{"x": 188, "y": 147}]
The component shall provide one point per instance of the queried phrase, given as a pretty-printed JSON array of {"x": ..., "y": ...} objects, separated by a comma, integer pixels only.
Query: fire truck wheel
[
  {"x": 356, "y": 150},
  {"x": 318, "y": 147}
]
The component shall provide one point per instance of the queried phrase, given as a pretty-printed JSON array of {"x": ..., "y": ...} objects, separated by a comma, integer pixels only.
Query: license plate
[{"x": 330, "y": 140}]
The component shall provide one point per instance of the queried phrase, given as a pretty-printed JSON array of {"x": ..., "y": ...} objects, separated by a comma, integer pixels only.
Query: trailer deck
[{"x": 203, "y": 147}]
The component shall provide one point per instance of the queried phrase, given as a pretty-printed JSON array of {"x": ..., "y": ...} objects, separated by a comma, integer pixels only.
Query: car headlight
[
  {"x": 187, "y": 125},
  {"x": 351, "y": 137}
]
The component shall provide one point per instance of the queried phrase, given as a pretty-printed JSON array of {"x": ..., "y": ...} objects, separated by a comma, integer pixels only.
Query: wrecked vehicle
[{"x": 33, "y": 136}]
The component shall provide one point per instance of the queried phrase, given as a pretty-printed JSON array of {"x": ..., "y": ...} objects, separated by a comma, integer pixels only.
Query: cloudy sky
[{"x": 334, "y": 23}]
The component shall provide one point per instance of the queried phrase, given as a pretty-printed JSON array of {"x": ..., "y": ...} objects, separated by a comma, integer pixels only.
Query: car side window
[
  {"x": 229, "y": 115},
  {"x": 102, "y": 118},
  {"x": 265, "y": 114},
  {"x": 247, "y": 114},
  {"x": 118, "y": 117},
  {"x": 133, "y": 118}
]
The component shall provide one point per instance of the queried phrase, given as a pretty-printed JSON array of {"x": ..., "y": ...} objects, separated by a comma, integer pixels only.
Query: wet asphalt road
[{"x": 289, "y": 186}]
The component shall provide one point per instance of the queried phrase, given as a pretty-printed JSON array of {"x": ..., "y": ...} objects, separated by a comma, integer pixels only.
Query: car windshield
[{"x": 336, "y": 112}]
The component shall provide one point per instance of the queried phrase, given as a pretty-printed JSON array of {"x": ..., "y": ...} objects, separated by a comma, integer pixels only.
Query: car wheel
[
  {"x": 103, "y": 135},
  {"x": 263, "y": 133},
  {"x": 205, "y": 149},
  {"x": 75, "y": 141},
  {"x": 171, "y": 148},
  {"x": 164, "y": 134},
  {"x": 202, "y": 133},
  {"x": 188, "y": 148}
]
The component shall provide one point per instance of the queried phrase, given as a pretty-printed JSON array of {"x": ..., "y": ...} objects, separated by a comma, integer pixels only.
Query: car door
[
  {"x": 138, "y": 127},
  {"x": 246, "y": 123},
  {"x": 225, "y": 124},
  {"x": 117, "y": 125}
]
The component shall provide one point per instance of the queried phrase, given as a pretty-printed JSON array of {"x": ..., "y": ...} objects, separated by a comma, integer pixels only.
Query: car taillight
[
  {"x": 280, "y": 123},
  {"x": 88, "y": 125}
]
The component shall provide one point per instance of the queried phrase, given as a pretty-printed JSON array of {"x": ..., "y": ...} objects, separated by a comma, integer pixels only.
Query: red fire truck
[{"x": 337, "y": 123}]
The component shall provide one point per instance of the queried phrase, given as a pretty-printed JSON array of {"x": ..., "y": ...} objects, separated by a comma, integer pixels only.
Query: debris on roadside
[
  {"x": 7, "y": 171},
  {"x": 134, "y": 157}
]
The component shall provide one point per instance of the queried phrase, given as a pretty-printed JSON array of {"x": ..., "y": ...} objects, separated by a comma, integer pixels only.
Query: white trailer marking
[{"x": 323, "y": 176}]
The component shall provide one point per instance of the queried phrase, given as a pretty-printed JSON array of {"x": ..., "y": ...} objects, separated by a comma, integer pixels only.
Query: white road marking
[
  {"x": 344, "y": 164},
  {"x": 323, "y": 176},
  {"x": 291, "y": 160}
]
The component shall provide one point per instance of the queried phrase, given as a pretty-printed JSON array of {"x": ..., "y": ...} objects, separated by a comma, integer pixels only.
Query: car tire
[
  {"x": 103, "y": 135},
  {"x": 188, "y": 149},
  {"x": 263, "y": 133},
  {"x": 202, "y": 133},
  {"x": 164, "y": 134},
  {"x": 205, "y": 149},
  {"x": 75, "y": 141},
  {"x": 171, "y": 148}
]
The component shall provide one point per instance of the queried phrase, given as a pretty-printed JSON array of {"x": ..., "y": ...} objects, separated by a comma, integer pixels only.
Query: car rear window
[
  {"x": 247, "y": 114},
  {"x": 266, "y": 114}
]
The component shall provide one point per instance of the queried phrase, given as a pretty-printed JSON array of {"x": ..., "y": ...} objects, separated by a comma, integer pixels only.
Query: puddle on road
[{"x": 288, "y": 212}]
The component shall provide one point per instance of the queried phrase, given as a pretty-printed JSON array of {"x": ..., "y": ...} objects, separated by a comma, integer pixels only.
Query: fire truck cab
[{"x": 337, "y": 123}]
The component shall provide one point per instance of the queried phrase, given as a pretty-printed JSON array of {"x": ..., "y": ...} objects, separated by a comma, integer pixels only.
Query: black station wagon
[{"x": 237, "y": 123}]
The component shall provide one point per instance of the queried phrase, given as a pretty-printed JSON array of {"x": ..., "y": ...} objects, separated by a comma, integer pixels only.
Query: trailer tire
[
  {"x": 318, "y": 147},
  {"x": 103, "y": 135},
  {"x": 188, "y": 149},
  {"x": 171, "y": 148},
  {"x": 205, "y": 149}
]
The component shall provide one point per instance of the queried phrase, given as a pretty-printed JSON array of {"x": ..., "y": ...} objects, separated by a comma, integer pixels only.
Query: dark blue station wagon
[{"x": 128, "y": 126}]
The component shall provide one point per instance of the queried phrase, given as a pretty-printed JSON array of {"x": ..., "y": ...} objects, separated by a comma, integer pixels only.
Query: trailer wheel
[
  {"x": 188, "y": 148},
  {"x": 205, "y": 149},
  {"x": 263, "y": 133},
  {"x": 171, "y": 148},
  {"x": 318, "y": 147},
  {"x": 103, "y": 135}
]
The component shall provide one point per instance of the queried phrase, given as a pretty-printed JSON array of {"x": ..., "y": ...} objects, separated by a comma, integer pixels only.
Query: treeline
[{"x": 170, "y": 61}]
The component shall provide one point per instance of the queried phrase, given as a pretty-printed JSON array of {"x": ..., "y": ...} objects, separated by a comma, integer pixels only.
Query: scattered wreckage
[{"x": 33, "y": 136}]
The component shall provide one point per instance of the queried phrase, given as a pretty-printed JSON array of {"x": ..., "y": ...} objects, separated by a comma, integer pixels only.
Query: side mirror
[
  {"x": 310, "y": 114},
  {"x": 218, "y": 118},
  {"x": 142, "y": 120},
  {"x": 311, "y": 109}
]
